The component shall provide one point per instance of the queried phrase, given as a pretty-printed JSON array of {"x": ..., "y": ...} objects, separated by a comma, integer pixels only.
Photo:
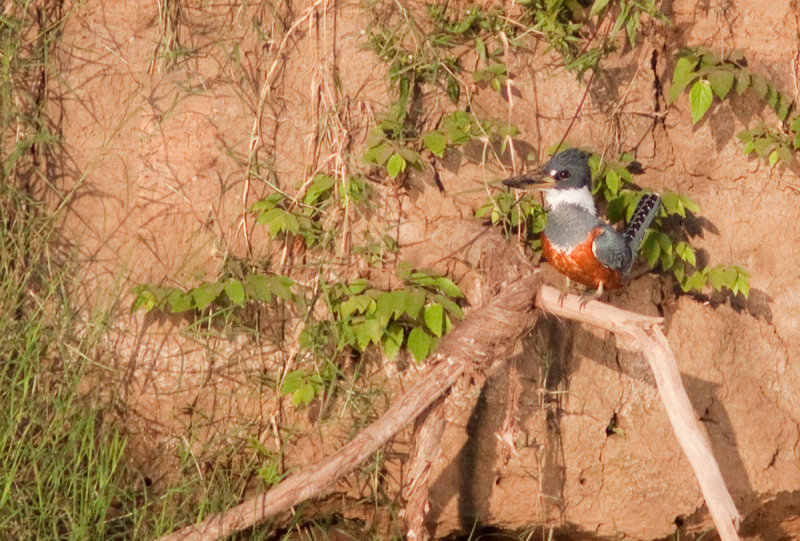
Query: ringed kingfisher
[{"x": 575, "y": 241}]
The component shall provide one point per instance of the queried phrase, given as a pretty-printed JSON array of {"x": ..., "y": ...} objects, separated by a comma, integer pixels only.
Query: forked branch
[{"x": 485, "y": 335}]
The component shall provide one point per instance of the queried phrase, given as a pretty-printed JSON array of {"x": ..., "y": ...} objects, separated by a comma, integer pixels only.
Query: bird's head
[{"x": 569, "y": 169}]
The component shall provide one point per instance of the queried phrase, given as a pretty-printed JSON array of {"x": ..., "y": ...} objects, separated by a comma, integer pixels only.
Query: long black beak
[{"x": 536, "y": 176}]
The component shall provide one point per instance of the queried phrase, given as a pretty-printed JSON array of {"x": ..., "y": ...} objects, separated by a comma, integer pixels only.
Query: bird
[{"x": 575, "y": 240}]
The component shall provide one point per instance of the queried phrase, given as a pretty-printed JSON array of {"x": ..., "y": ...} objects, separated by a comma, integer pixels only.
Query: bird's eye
[{"x": 561, "y": 175}]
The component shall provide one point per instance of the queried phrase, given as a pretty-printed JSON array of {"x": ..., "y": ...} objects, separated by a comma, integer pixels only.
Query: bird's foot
[
  {"x": 564, "y": 293},
  {"x": 589, "y": 296}
]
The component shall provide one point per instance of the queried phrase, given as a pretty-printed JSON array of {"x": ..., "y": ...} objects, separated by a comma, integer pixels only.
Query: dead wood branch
[
  {"x": 482, "y": 336},
  {"x": 647, "y": 337},
  {"x": 427, "y": 446},
  {"x": 485, "y": 335}
]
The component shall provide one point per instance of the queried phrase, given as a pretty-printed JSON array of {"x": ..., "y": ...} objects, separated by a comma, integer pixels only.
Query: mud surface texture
[{"x": 157, "y": 150}]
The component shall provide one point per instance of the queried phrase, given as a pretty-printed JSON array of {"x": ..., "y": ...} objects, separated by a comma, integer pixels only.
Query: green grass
[
  {"x": 64, "y": 468},
  {"x": 60, "y": 459}
]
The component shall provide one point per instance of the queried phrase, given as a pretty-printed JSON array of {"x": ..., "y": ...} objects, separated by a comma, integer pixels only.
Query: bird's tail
[{"x": 645, "y": 211}]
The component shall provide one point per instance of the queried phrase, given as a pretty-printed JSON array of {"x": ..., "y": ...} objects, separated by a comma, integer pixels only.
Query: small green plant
[
  {"x": 524, "y": 215},
  {"x": 460, "y": 127},
  {"x": 375, "y": 251},
  {"x": 414, "y": 316},
  {"x": 388, "y": 147},
  {"x": 564, "y": 25},
  {"x": 707, "y": 74},
  {"x": 218, "y": 295},
  {"x": 432, "y": 56},
  {"x": 285, "y": 216},
  {"x": 495, "y": 72},
  {"x": 270, "y": 472},
  {"x": 304, "y": 386}
]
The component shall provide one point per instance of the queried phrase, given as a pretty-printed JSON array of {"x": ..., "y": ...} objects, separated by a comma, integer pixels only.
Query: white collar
[{"x": 571, "y": 196}]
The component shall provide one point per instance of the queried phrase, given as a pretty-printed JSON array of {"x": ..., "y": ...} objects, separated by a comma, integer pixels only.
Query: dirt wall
[{"x": 154, "y": 155}]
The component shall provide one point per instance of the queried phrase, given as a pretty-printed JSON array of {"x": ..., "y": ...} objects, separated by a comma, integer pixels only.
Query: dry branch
[
  {"x": 648, "y": 338},
  {"x": 482, "y": 336},
  {"x": 485, "y": 335}
]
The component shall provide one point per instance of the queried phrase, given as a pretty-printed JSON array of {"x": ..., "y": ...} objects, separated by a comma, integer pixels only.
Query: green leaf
[
  {"x": 481, "y": 48},
  {"x": 180, "y": 301},
  {"x": 760, "y": 86},
  {"x": 667, "y": 259},
  {"x": 742, "y": 285},
  {"x": 729, "y": 275},
  {"x": 378, "y": 154},
  {"x": 449, "y": 305},
  {"x": 436, "y": 142},
  {"x": 358, "y": 286},
  {"x": 742, "y": 81},
  {"x": 721, "y": 80},
  {"x": 279, "y": 221},
  {"x": 484, "y": 210},
  {"x": 419, "y": 343},
  {"x": 414, "y": 302},
  {"x": 785, "y": 154},
  {"x": 144, "y": 297},
  {"x": 257, "y": 287},
  {"x": 453, "y": 89},
  {"x": 700, "y": 98},
  {"x": 782, "y": 108},
  {"x": 392, "y": 340},
  {"x": 281, "y": 286},
  {"x": 293, "y": 381},
  {"x": 597, "y": 7},
  {"x": 672, "y": 203},
  {"x": 612, "y": 181},
  {"x": 434, "y": 318},
  {"x": 269, "y": 202},
  {"x": 355, "y": 305},
  {"x": 368, "y": 331},
  {"x": 685, "y": 251},
  {"x": 303, "y": 395},
  {"x": 617, "y": 208},
  {"x": 719, "y": 277},
  {"x": 446, "y": 286},
  {"x": 664, "y": 241},
  {"x": 206, "y": 293},
  {"x": 651, "y": 249},
  {"x": 696, "y": 281},
  {"x": 390, "y": 305},
  {"x": 688, "y": 203},
  {"x": 773, "y": 158},
  {"x": 321, "y": 184},
  {"x": 235, "y": 291},
  {"x": 772, "y": 96},
  {"x": 395, "y": 165},
  {"x": 683, "y": 75},
  {"x": 631, "y": 26},
  {"x": 678, "y": 270},
  {"x": 763, "y": 145},
  {"x": 411, "y": 156}
]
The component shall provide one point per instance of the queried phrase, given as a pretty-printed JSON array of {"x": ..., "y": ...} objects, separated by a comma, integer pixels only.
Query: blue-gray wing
[{"x": 611, "y": 250}]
